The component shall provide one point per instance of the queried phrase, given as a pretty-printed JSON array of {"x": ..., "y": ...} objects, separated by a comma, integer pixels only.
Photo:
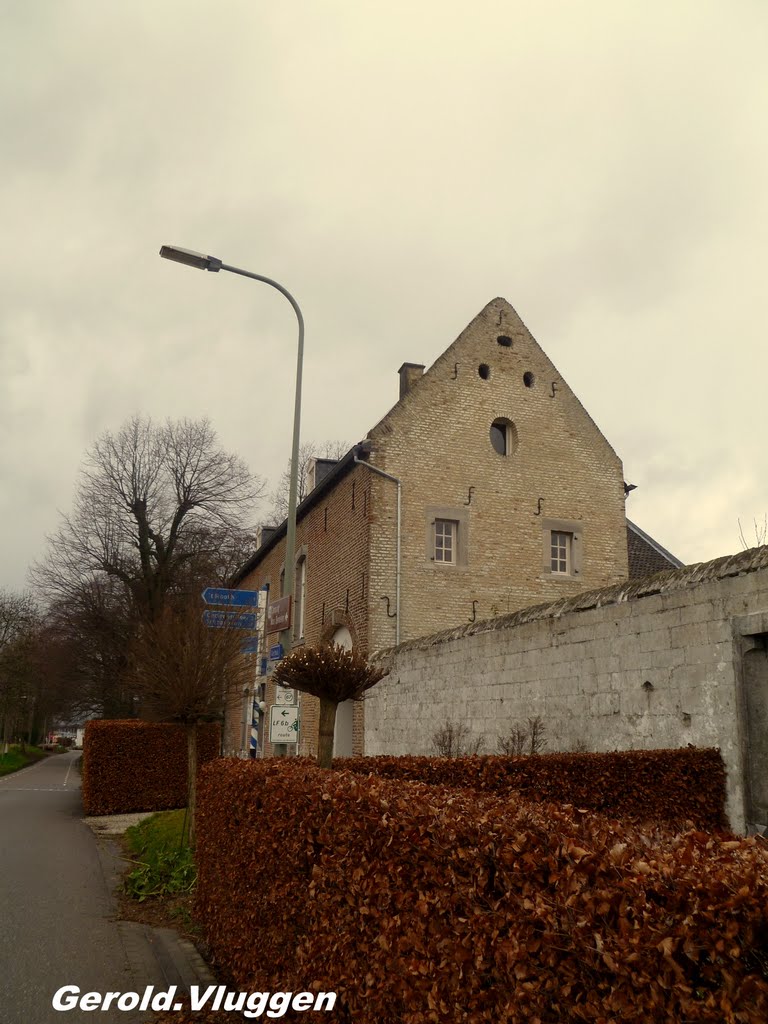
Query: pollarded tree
[
  {"x": 153, "y": 501},
  {"x": 333, "y": 674},
  {"x": 184, "y": 671}
]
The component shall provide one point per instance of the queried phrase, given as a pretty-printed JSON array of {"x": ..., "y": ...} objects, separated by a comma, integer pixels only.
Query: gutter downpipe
[{"x": 388, "y": 476}]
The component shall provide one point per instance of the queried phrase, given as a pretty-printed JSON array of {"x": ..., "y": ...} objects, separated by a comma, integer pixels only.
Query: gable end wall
[{"x": 436, "y": 441}]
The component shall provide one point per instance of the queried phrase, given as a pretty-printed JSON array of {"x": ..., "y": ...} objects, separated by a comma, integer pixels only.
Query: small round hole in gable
[
  {"x": 484, "y": 370},
  {"x": 504, "y": 340},
  {"x": 529, "y": 379}
]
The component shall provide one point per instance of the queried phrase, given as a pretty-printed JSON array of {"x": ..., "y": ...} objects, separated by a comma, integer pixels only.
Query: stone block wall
[{"x": 653, "y": 664}]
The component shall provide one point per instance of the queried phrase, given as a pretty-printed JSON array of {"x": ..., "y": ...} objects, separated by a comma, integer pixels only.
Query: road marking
[
  {"x": 12, "y": 776},
  {"x": 21, "y": 771},
  {"x": 36, "y": 789}
]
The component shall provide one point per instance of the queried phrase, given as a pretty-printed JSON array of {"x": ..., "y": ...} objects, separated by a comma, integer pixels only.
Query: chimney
[
  {"x": 409, "y": 374},
  {"x": 317, "y": 471},
  {"x": 264, "y": 535}
]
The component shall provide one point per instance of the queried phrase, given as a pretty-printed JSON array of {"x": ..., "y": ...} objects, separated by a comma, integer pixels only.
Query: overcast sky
[{"x": 603, "y": 166}]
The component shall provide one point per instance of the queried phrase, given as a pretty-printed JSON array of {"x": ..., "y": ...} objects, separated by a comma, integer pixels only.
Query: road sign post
[
  {"x": 279, "y": 615},
  {"x": 283, "y": 724},
  {"x": 218, "y": 619},
  {"x": 276, "y": 652},
  {"x": 231, "y": 598}
]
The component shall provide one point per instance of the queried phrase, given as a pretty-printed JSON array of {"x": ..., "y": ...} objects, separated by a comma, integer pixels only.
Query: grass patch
[
  {"x": 164, "y": 864},
  {"x": 14, "y": 759}
]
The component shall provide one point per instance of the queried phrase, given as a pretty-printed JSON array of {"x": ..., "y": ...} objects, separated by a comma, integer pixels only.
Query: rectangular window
[
  {"x": 560, "y": 552},
  {"x": 446, "y": 538},
  {"x": 446, "y": 535},
  {"x": 563, "y": 544}
]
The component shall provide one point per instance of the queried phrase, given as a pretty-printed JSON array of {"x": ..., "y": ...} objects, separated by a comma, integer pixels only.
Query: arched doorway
[{"x": 342, "y": 736}]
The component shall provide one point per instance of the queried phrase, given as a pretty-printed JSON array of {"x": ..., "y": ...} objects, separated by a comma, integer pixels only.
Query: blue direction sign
[
  {"x": 275, "y": 652},
  {"x": 233, "y": 619},
  {"x": 231, "y": 598},
  {"x": 250, "y": 645}
]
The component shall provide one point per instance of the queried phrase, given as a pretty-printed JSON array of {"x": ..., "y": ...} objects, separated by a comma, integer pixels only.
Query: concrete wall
[{"x": 662, "y": 662}]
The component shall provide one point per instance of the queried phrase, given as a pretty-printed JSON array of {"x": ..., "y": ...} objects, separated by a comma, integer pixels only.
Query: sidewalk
[{"x": 59, "y": 926}]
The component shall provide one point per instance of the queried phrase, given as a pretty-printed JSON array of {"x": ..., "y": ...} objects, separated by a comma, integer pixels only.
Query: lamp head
[{"x": 190, "y": 258}]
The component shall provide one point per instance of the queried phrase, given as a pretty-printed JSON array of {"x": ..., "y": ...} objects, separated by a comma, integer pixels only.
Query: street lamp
[{"x": 202, "y": 262}]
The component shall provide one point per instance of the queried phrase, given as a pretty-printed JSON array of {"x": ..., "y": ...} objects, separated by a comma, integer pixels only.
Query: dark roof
[
  {"x": 645, "y": 555},
  {"x": 335, "y": 473}
]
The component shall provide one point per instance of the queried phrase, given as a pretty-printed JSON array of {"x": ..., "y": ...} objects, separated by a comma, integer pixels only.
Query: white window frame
[
  {"x": 445, "y": 541},
  {"x": 508, "y": 430},
  {"x": 560, "y": 552},
  {"x": 459, "y": 536},
  {"x": 572, "y": 533}
]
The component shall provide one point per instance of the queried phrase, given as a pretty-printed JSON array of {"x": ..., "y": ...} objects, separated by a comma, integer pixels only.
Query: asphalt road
[{"x": 57, "y": 923}]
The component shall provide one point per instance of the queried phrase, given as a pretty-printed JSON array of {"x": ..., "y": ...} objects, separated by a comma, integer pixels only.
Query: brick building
[{"x": 485, "y": 489}]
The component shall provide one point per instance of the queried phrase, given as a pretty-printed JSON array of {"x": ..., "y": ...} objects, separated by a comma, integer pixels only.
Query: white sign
[
  {"x": 285, "y": 695},
  {"x": 283, "y": 724}
]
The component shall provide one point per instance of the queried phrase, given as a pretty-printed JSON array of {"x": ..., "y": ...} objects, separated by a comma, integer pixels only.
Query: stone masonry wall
[
  {"x": 437, "y": 441},
  {"x": 652, "y": 664}
]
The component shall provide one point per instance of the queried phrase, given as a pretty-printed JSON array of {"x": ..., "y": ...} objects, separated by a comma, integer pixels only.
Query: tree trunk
[
  {"x": 327, "y": 726},
  {"x": 191, "y": 778}
]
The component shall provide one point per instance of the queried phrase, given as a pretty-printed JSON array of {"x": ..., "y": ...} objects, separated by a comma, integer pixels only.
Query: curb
[{"x": 154, "y": 956}]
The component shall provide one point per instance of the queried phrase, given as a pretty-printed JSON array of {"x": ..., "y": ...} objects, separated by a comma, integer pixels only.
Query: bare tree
[
  {"x": 522, "y": 740},
  {"x": 85, "y": 640},
  {"x": 151, "y": 503},
  {"x": 514, "y": 744},
  {"x": 17, "y": 613},
  {"x": 452, "y": 739},
  {"x": 333, "y": 674},
  {"x": 184, "y": 671},
  {"x": 537, "y": 731},
  {"x": 19, "y": 621},
  {"x": 309, "y": 450},
  {"x": 761, "y": 533}
]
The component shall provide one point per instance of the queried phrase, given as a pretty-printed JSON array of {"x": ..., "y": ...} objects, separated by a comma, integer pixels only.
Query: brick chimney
[
  {"x": 264, "y": 535},
  {"x": 317, "y": 471},
  {"x": 409, "y": 374}
]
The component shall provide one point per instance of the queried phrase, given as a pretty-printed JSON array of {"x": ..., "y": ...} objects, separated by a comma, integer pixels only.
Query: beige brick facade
[{"x": 559, "y": 473}]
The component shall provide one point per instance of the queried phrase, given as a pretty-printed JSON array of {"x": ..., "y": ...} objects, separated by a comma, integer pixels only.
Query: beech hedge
[
  {"x": 423, "y": 903},
  {"x": 681, "y": 787},
  {"x": 140, "y": 766}
]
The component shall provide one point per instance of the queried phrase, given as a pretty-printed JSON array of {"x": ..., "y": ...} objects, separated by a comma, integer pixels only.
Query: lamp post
[{"x": 212, "y": 263}]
